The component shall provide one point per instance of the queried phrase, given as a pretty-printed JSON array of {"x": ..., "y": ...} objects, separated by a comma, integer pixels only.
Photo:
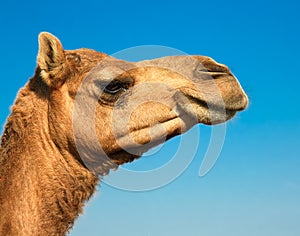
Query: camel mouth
[{"x": 210, "y": 113}]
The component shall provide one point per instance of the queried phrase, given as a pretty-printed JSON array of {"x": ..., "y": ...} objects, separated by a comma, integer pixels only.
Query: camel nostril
[
  {"x": 210, "y": 65},
  {"x": 217, "y": 68},
  {"x": 211, "y": 71}
]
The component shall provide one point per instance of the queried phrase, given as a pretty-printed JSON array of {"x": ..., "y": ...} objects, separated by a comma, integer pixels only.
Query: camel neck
[{"x": 41, "y": 191}]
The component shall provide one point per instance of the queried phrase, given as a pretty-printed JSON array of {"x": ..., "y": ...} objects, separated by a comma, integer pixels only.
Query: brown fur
[{"x": 44, "y": 183}]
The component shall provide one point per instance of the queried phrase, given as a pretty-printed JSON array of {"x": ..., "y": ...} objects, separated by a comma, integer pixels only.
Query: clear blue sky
[{"x": 254, "y": 188}]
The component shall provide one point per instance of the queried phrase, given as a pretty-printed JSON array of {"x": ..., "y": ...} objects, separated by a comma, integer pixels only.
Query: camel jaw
[{"x": 132, "y": 150}]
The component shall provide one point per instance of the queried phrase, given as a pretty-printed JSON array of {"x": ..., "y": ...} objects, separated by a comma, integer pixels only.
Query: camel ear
[{"x": 51, "y": 58}]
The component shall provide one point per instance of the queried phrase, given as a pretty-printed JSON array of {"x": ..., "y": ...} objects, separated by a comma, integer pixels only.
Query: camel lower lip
[
  {"x": 170, "y": 128},
  {"x": 221, "y": 118}
]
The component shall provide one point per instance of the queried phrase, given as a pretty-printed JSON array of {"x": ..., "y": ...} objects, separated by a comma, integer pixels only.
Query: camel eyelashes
[
  {"x": 112, "y": 91},
  {"x": 115, "y": 87}
]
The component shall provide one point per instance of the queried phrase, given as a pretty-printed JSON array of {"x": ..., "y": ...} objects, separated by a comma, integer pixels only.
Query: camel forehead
[
  {"x": 178, "y": 61},
  {"x": 184, "y": 64},
  {"x": 109, "y": 67}
]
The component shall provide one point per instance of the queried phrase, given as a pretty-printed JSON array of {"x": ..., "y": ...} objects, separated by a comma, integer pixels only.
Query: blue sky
[{"x": 254, "y": 188}]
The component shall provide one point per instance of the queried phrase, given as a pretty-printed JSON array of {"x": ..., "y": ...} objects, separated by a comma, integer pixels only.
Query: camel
[{"x": 50, "y": 162}]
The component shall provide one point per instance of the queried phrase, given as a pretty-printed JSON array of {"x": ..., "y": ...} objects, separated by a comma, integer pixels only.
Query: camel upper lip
[
  {"x": 239, "y": 106},
  {"x": 215, "y": 112}
]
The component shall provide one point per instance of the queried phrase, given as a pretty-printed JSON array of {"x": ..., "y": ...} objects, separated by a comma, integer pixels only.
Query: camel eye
[
  {"x": 114, "y": 87},
  {"x": 113, "y": 91}
]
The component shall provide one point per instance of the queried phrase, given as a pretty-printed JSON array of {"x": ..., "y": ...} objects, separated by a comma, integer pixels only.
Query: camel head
[{"x": 106, "y": 112}]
